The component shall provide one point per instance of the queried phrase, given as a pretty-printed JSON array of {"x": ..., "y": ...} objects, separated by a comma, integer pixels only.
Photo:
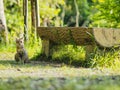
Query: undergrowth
[
  {"x": 32, "y": 48},
  {"x": 69, "y": 54},
  {"x": 106, "y": 59}
]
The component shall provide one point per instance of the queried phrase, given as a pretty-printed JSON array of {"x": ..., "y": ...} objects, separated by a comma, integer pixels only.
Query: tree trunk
[
  {"x": 63, "y": 15},
  {"x": 25, "y": 13},
  {"x": 77, "y": 14},
  {"x": 33, "y": 17},
  {"x": 37, "y": 13},
  {"x": 3, "y": 21}
]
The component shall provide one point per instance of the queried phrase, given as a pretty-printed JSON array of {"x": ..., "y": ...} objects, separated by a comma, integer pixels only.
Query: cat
[{"x": 21, "y": 55}]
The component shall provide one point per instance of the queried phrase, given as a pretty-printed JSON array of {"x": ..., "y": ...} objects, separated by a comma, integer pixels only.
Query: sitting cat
[{"x": 21, "y": 55}]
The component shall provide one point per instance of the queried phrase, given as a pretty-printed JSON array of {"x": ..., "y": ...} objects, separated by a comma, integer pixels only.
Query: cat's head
[{"x": 20, "y": 42}]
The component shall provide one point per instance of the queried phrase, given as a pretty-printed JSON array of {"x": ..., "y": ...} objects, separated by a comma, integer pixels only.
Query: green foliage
[
  {"x": 105, "y": 59},
  {"x": 14, "y": 15},
  {"x": 70, "y": 55},
  {"x": 34, "y": 49},
  {"x": 50, "y": 10},
  {"x": 70, "y": 12},
  {"x": 14, "y": 18},
  {"x": 106, "y": 14}
]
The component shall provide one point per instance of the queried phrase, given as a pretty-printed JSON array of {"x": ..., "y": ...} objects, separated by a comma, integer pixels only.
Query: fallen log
[{"x": 78, "y": 36}]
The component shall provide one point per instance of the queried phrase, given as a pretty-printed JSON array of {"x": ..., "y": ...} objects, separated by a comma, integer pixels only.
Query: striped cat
[{"x": 21, "y": 55}]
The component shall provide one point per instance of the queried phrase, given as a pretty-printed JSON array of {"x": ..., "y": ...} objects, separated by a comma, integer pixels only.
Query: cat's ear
[
  {"x": 21, "y": 38},
  {"x": 16, "y": 39}
]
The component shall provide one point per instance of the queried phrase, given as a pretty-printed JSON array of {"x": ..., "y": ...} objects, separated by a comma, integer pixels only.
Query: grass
[
  {"x": 104, "y": 73},
  {"x": 10, "y": 50},
  {"x": 69, "y": 54},
  {"x": 39, "y": 75},
  {"x": 110, "y": 59},
  {"x": 76, "y": 83},
  {"x": 49, "y": 76}
]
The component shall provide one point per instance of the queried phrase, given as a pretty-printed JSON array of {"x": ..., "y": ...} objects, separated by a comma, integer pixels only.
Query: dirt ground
[
  {"x": 42, "y": 75},
  {"x": 10, "y": 68}
]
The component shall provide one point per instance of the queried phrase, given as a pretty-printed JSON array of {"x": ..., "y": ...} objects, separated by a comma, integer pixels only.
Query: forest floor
[{"x": 40, "y": 75}]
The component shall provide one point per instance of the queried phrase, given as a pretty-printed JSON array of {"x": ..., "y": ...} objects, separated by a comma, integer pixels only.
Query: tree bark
[
  {"x": 3, "y": 20},
  {"x": 25, "y": 13},
  {"x": 77, "y": 14},
  {"x": 66, "y": 35},
  {"x": 37, "y": 13},
  {"x": 33, "y": 17},
  {"x": 63, "y": 15}
]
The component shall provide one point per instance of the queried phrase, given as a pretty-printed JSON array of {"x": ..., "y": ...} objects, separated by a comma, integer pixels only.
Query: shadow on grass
[
  {"x": 6, "y": 62},
  {"x": 32, "y": 63},
  {"x": 66, "y": 60},
  {"x": 42, "y": 60}
]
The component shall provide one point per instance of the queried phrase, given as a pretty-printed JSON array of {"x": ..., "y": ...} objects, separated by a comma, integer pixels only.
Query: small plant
[
  {"x": 70, "y": 55},
  {"x": 106, "y": 59}
]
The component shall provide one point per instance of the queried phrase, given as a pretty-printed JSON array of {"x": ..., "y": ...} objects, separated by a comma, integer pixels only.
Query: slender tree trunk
[
  {"x": 3, "y": 20},
  {"x": 37, "y": 13},
  {"x": 77, "y": 14},
  {"x": 33, "y": 17},
  {"x": 63, "y": 15},
  {"x": 25, "y": 13}
]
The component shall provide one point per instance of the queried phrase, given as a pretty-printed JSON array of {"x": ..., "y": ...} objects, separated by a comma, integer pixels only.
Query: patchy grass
[
  {"x": 40, "y": 75},
  {"x": 76, "y": 83}
]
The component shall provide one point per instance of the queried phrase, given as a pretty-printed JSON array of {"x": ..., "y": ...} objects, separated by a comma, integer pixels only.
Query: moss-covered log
[
  {"x": 78, "y": 36},
  {"x": 66, "y": 35}
]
